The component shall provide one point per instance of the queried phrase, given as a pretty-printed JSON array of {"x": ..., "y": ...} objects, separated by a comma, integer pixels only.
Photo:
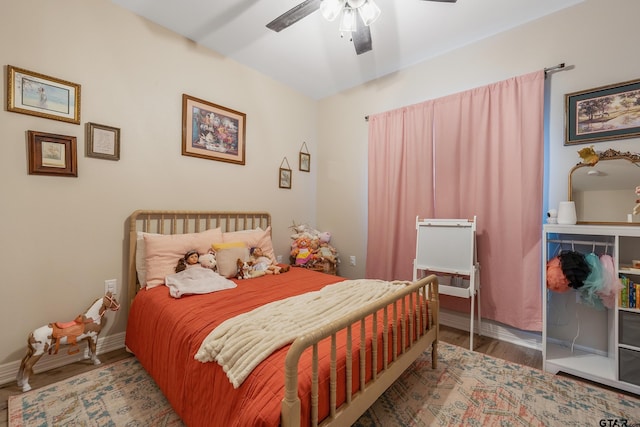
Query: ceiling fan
[{"x": 360, "y": 34}]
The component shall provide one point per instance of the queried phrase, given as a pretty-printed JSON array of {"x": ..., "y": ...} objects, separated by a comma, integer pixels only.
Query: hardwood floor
[
  {"x": 489, "y": 346},
  {"x": 493, "y": 347}
]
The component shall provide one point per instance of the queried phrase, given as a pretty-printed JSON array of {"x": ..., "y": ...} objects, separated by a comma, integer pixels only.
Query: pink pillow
[
  {"x": 163, "y": 252},
  {"x": 257, "y": 238},
  {"x": 227, "y": 255}
]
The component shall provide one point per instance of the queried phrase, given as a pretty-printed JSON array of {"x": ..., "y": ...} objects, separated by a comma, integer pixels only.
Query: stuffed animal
[
  {"x": 208, "y": 260},
  {"x": 303, "y": 230},
  {"x": 315, "y": 248},
  {"x": 246, "y": 272},
  {"x": 636, "y": 209},
  {"x": 327, "y": 252},
  {"x": 310, "y": 247},
  {"x": 302, "y": 250},
  {"x": 325, "y": 237}
]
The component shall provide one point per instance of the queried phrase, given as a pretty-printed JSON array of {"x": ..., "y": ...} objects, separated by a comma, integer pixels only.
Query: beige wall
[
  {"x": 62, "y": 237},
  {"x": 596, "y": 39}
]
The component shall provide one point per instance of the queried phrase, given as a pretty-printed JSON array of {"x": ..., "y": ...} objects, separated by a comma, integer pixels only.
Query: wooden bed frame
[{"x": 415, "y": 333}]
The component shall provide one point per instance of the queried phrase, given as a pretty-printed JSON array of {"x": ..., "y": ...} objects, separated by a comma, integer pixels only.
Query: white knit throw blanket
[{"x": 239, "y": 344}]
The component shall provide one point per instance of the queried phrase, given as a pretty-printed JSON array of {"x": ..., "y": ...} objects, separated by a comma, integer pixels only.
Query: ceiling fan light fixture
[
  {"x": 369, "y": 12},
  {"x": 330, "y": 9},
  {"x": 348, "y": 21}
]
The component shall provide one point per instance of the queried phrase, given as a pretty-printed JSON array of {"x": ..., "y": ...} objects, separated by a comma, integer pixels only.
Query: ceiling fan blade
[
  {"x": 444, "y": 1},
  {"x": 362, "y": 37},
  {"x": 293, "y": 15}
]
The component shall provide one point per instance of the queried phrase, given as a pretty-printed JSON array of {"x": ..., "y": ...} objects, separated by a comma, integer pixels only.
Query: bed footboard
[{"x": 417, "y": 308}]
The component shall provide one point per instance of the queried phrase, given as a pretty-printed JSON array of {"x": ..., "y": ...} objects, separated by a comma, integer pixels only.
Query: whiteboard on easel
[{"x": 445, "y": 245}]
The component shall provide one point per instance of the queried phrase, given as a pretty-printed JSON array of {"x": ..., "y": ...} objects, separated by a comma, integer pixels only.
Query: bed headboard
[{"x": 182, "y": 222}]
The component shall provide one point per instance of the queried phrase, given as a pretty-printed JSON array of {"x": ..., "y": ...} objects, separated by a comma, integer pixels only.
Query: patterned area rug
[
  {"x": 472, "y": 389},
  {"x": 467, "y": 389},
  {"x": 116, "y": 395}
]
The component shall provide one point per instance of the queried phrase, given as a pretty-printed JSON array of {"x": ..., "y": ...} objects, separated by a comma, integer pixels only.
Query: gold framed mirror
[{"x": 604, "y": 193}]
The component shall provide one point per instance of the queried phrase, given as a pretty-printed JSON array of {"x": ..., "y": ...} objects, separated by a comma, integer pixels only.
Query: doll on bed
[
  {"x": 190, "y": 259},
  {"x": 188, "y": 280},
  {"x": 260, "y": 262}
]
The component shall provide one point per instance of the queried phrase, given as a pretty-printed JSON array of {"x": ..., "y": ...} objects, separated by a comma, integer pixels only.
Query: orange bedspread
[{"x": 165, "y": 333}]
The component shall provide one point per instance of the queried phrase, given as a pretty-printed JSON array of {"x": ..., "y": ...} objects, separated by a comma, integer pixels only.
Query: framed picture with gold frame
[
  {"x": 39, "y": 95},
  {"x": 51, "y": 154}
]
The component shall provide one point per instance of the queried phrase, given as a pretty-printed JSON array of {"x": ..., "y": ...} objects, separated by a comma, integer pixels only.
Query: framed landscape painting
[{"x": 602, "y": 114}]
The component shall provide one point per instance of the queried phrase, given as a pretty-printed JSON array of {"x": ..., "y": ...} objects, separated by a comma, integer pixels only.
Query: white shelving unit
[{"x": 601, "y": 346}]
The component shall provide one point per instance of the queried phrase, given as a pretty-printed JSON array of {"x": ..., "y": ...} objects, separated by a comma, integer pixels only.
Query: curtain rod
[
  {"x": 580, "y": 242},
  {"x": 547, "y": 70},
  {"x": 558, "y": 67}
]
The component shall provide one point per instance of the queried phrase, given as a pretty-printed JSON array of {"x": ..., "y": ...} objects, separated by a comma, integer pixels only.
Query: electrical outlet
[
  {"x": 279, "y": 259},
  {"x": 111, "y": 285},
  {"x": 352, "y": 260}
]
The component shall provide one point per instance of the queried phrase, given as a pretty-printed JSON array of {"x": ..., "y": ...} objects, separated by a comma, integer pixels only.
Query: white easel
[{"x": 447, "y": 248}]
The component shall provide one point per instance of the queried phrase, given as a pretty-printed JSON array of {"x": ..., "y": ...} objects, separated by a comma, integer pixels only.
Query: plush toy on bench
[{"x": 48, "y": 338}]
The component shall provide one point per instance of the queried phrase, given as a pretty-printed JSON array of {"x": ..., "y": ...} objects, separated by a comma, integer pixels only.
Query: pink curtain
[
  {"x": 478, "y": 152},
  {"x": 400, "y": 187}
]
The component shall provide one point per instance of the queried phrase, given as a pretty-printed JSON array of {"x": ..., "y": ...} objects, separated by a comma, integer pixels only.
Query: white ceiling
[{"x": 312, "y": 58}]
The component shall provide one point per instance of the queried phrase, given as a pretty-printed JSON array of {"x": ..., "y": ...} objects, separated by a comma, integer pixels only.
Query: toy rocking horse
[{"x": 48, "y": 338}]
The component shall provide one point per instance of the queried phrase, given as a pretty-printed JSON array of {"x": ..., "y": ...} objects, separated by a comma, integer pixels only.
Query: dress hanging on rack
[
  {"x": 611, "y": 285},
  {"x": 593, "y": 283},
  {"x": 592, "y": 276}
]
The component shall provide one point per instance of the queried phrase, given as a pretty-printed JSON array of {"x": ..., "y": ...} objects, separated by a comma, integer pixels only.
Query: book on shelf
[{"x": 629, "y": 294}]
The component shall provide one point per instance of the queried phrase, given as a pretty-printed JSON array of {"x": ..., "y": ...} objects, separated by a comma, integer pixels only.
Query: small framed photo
[
  {"x": 213, "y": 132},
  {"x": 51, "y": 154},
  {"x": 102, "y": 142},
  {"x": 602, "y": 114},
  {"x": 305, "y": 162},
  {"x": 285, "y": 178},
  {"x": 35, "y": 94}
]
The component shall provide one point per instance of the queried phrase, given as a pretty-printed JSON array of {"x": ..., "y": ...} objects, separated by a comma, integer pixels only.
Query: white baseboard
[
  {"x": 492, "y": 329},
  {"x": 106, "y": 344}
]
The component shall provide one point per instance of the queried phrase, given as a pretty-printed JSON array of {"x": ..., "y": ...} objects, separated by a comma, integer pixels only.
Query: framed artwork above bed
[
  {"x": 51, "y": 154},
  {"x": 102, "y": 142},
  {"x": 213, "y": 132},
  {"x": 44, "y": 96}
]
